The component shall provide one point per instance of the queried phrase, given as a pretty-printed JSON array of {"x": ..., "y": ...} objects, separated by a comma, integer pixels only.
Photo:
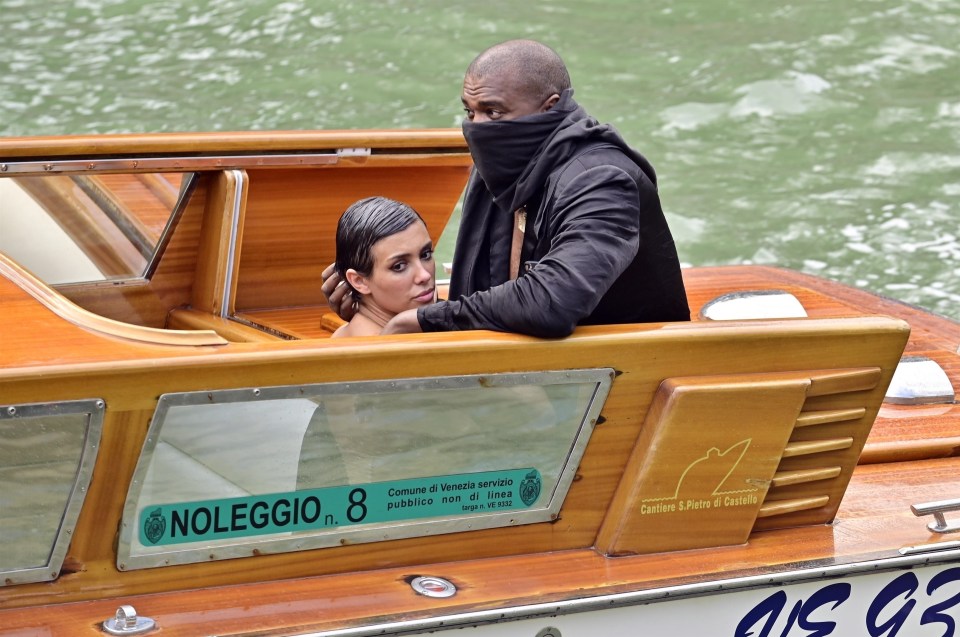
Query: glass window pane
[
  {"x": 75, "y": 228},
  {"x": 372, "y": 460},
  {"x": 46, "y": 458}
]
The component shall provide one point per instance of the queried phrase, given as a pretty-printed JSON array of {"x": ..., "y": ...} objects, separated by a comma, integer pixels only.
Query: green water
[{"x": 821, "y": 136}]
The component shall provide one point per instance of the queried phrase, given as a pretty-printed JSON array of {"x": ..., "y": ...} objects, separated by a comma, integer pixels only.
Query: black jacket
[{"x": 597, "y": 248}]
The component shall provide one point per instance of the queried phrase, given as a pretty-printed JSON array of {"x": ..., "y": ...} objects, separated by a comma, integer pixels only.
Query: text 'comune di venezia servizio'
[{"x": 347, "y": 505}]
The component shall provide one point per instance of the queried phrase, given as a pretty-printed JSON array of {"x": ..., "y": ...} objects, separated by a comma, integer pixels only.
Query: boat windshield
[{"x": 79, "y": 228}]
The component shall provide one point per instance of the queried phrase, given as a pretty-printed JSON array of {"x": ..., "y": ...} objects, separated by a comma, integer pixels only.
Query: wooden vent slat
[
  {"x": 816, "y": 446},
  {"x": 780, "y": 507}
]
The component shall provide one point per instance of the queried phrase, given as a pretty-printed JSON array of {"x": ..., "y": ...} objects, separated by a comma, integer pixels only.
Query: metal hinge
[{"x": 353, "y": 152}]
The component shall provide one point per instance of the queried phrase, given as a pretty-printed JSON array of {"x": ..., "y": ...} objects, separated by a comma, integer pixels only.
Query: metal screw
[{"x": 12, "y": 411}]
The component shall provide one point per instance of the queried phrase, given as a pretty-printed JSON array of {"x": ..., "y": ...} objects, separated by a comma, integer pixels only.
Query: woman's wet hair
[{"x": 363, "y": 224}]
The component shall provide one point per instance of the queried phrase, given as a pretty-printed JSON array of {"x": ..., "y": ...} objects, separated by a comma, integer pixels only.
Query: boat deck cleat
[
  {"x": 126, "y": 622},
  {"x": 937, "y": 510}
]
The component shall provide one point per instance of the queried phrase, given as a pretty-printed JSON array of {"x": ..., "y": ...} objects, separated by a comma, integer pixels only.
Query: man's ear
[
  {"x": 357, "y": 281},
  {"x": 549, "y": 103}
]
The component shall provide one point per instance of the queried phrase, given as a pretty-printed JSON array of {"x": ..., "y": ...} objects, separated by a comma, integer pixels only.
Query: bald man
[{"x": 562, "y": 224}]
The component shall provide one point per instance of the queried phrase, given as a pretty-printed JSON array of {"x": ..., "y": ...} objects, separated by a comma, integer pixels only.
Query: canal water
[{"x": 818, "y": 135}]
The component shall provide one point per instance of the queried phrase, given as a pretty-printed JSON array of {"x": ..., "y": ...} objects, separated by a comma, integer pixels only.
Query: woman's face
[{"x": 403, "y": 270}]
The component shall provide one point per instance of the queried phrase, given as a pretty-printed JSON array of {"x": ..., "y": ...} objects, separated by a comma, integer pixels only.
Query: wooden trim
[
  {"x": 811, "y": 418},
  {"x": 184, "y": 319},
  {"x": 909, "y": 450},
  {"x": 816, "y": 446},
  {"x": 842, "y": 381},
  {"x": 80, "y": 317},
  {"x": 13, "y": 148},
  {"x": 407, "y": 160},
  {"x": 218, "y": 255}
]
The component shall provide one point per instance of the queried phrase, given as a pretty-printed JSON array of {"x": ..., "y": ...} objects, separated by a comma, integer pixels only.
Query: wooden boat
[{"x": 183, "y": 451}]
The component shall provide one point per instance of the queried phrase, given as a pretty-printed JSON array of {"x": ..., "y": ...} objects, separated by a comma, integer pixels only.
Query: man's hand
[
  {"x": 337, "y": 293},
  {"x": 403, "y": 323}
]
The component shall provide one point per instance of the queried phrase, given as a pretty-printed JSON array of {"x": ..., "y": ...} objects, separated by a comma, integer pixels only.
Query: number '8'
[{"x": 357, "y": 509}]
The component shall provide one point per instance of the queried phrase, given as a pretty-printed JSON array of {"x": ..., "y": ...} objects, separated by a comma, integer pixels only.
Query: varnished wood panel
[
  {"x": 703, "y": 463},
  {"x": 291, "y": 219},
  {"x": 712, "y": 446},
  {"x": 644, "y": 356}
]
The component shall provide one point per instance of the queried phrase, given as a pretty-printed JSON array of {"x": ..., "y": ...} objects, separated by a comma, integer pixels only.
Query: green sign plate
[{"x": 349, "y": 505}]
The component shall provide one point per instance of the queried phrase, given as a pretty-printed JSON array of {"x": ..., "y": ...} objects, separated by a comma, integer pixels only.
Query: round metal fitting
[
  {"x": 433, "y": 586},
  {"x": 126, "y": 622},
  {"x": 549, "y": 631}
]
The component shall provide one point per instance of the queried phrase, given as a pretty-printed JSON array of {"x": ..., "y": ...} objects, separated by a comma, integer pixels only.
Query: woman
[{"x": 385, "y": 256}]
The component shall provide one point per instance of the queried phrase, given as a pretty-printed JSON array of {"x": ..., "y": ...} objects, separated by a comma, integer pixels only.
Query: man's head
[{"x": 513, "y": 79}]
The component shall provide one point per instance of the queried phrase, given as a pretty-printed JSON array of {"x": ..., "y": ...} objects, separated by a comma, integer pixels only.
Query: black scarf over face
[
  {"x": 507, "y": 174},
  {"x": 512, "y": 161},
  {"x": 503, "y": 151}
]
